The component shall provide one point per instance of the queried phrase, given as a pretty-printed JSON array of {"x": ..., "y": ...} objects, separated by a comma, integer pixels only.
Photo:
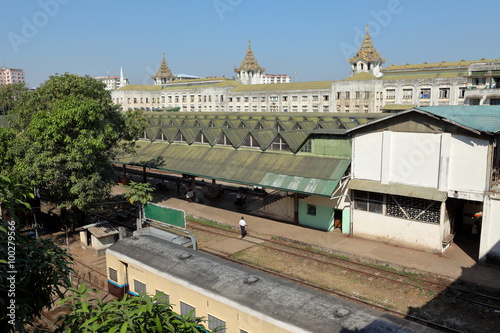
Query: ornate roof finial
[
  {"x": 164, "y": 74},
  {"x": 249, "y": 63},
  {"x": 367, "y": 51}
]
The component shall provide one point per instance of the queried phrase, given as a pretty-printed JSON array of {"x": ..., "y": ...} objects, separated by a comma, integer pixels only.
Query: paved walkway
[{"x": 453, "y": 263}]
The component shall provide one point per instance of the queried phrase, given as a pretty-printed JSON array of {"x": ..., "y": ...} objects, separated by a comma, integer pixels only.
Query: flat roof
[{"x": 285, "y": 303}]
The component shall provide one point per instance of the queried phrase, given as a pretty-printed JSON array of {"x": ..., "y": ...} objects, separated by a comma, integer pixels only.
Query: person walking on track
[{"x": 243, "y": 227}]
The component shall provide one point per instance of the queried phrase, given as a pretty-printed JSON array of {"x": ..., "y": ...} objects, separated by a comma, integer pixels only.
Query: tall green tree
[
  {"x": 9, "y": 95},
  {"x": 130, "y": 314},
  {"x": 32, "y": 271},
  {"x": 68, "y": 132},
  {"x": 139, "y": 194}
]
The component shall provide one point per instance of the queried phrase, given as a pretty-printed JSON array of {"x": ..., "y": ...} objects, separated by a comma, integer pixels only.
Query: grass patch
[{"x": 212, "y": 223}]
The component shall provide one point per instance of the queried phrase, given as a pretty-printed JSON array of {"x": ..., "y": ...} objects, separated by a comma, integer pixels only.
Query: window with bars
[
  {"x": 390, "y": 93},
  {"x": 368, "y": 201},
  {"x": 407, "y": 93},
  {"x": 187, "y": 309},
  {"x": 444, "y": 92},
  {"x": 113, "y": 275},
  {"x": 216, "y": 323},
  {"x": 425, "y": 93},
  {"x": 139, "y": 287},
  {"x": 162, "y": 296},
  {"x": 307, "y": 147},
  {"x": 413, "y": 208}
]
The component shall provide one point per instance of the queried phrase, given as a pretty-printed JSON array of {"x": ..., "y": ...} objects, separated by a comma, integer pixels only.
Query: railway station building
[{"x": 416, "y": 179}]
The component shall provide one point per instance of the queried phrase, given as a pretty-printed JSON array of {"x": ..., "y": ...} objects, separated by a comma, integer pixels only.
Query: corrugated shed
[
  {"x": 103, "y": 230},
  {"x": 247, "y": 166}
]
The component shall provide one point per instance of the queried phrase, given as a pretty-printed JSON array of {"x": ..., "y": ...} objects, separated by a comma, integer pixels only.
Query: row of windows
[
  {"x": 285, "y": 98},
  {"x": 424, "y": 93},
  {"x": 415, "y": 209},
  {"x": 357, "y": 94},
  {"x": 185, "y": 308},
  {"x": 208, "y": 98}
]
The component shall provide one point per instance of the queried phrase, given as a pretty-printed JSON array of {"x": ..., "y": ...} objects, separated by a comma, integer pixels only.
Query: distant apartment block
[
  {"x": 11, "y": 75},
  {"x": 112, "y": 82},
  {"x": 276, "y": 78}
]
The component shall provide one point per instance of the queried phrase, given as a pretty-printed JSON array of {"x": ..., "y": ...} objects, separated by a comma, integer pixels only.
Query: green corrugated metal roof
[
  {"x": 461, "y": 63},
  {"x": 287, "y": 124},
  {"x": 152, "y": 132},
  {"x": 264, "y": 137},
  {"x": 154, "y": 121},
  {"x": 329, "y": 124},
  {"x": 307, "y": 125},
  {"x": 235, "y": 135},
  {"x": 484, "y": 118},
  {"x": 212, "y": 134},
  {"x": 398, "y": 106},
  {"x": 246, "y": 166},
  {"x": 234, "y": 123},
  {"x": 295, "y": 139},
  {"x": 266, "y": 124},
  {"x": 219, "y": 122},
  {"x": 169, "y": 133},
  {"x": 189, "y": 133},
  {"x": 398, "y": 189},
  {"x": 250, "y": 123},
  {"x": 361, "y": 77},
  {"x": 424, "y": 75}
]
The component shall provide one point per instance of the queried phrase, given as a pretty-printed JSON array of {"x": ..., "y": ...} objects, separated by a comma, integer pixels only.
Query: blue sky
[{"x": 309, "y": 40}]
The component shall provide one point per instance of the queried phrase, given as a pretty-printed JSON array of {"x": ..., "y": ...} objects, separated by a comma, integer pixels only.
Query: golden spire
[
  {"x": 164, "y": 73},
  {"x": 367, "y": 51},
  {"x": 250, "y": 63}
]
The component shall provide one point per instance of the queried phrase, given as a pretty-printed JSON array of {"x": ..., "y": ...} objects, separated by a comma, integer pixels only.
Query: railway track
[{"x": 448, "y": 294}]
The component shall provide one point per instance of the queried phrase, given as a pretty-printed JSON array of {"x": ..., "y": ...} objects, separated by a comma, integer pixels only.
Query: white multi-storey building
[
  {"x": 11, "y": 75},
  {"x": 276, "y": 78},
  {"x": 113, "y": 82},
  {"x": 369, "y": 88}
]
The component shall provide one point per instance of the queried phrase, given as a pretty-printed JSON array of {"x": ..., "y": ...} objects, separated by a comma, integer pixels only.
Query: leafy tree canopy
[
  {"x": 32, "y": 271},
  {"x": 130, "y": 314},
  {"x": 68, "y": 133},
  {"x": 9, "y": 94}
]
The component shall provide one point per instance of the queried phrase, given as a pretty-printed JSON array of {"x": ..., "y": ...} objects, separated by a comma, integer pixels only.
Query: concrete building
[
  {"x": 233, "y": 297},
  {"x": 11, "y": 75},
  {"x": 113, "y": 82},
  {"x": 276, "y": 78},
  {"x": 369, "y": 88},
  {"x": 426, "y": 175}
]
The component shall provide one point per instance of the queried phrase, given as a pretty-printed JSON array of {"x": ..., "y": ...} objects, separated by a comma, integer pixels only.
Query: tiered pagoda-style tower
[
  {"x": 367, "y": 59},
  {"x": 250, "y": 72},
  {"x": 163, "y": 75}
]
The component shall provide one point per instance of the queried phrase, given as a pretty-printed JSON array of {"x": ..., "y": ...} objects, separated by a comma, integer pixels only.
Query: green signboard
[{"x": 165, "y": 214}]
